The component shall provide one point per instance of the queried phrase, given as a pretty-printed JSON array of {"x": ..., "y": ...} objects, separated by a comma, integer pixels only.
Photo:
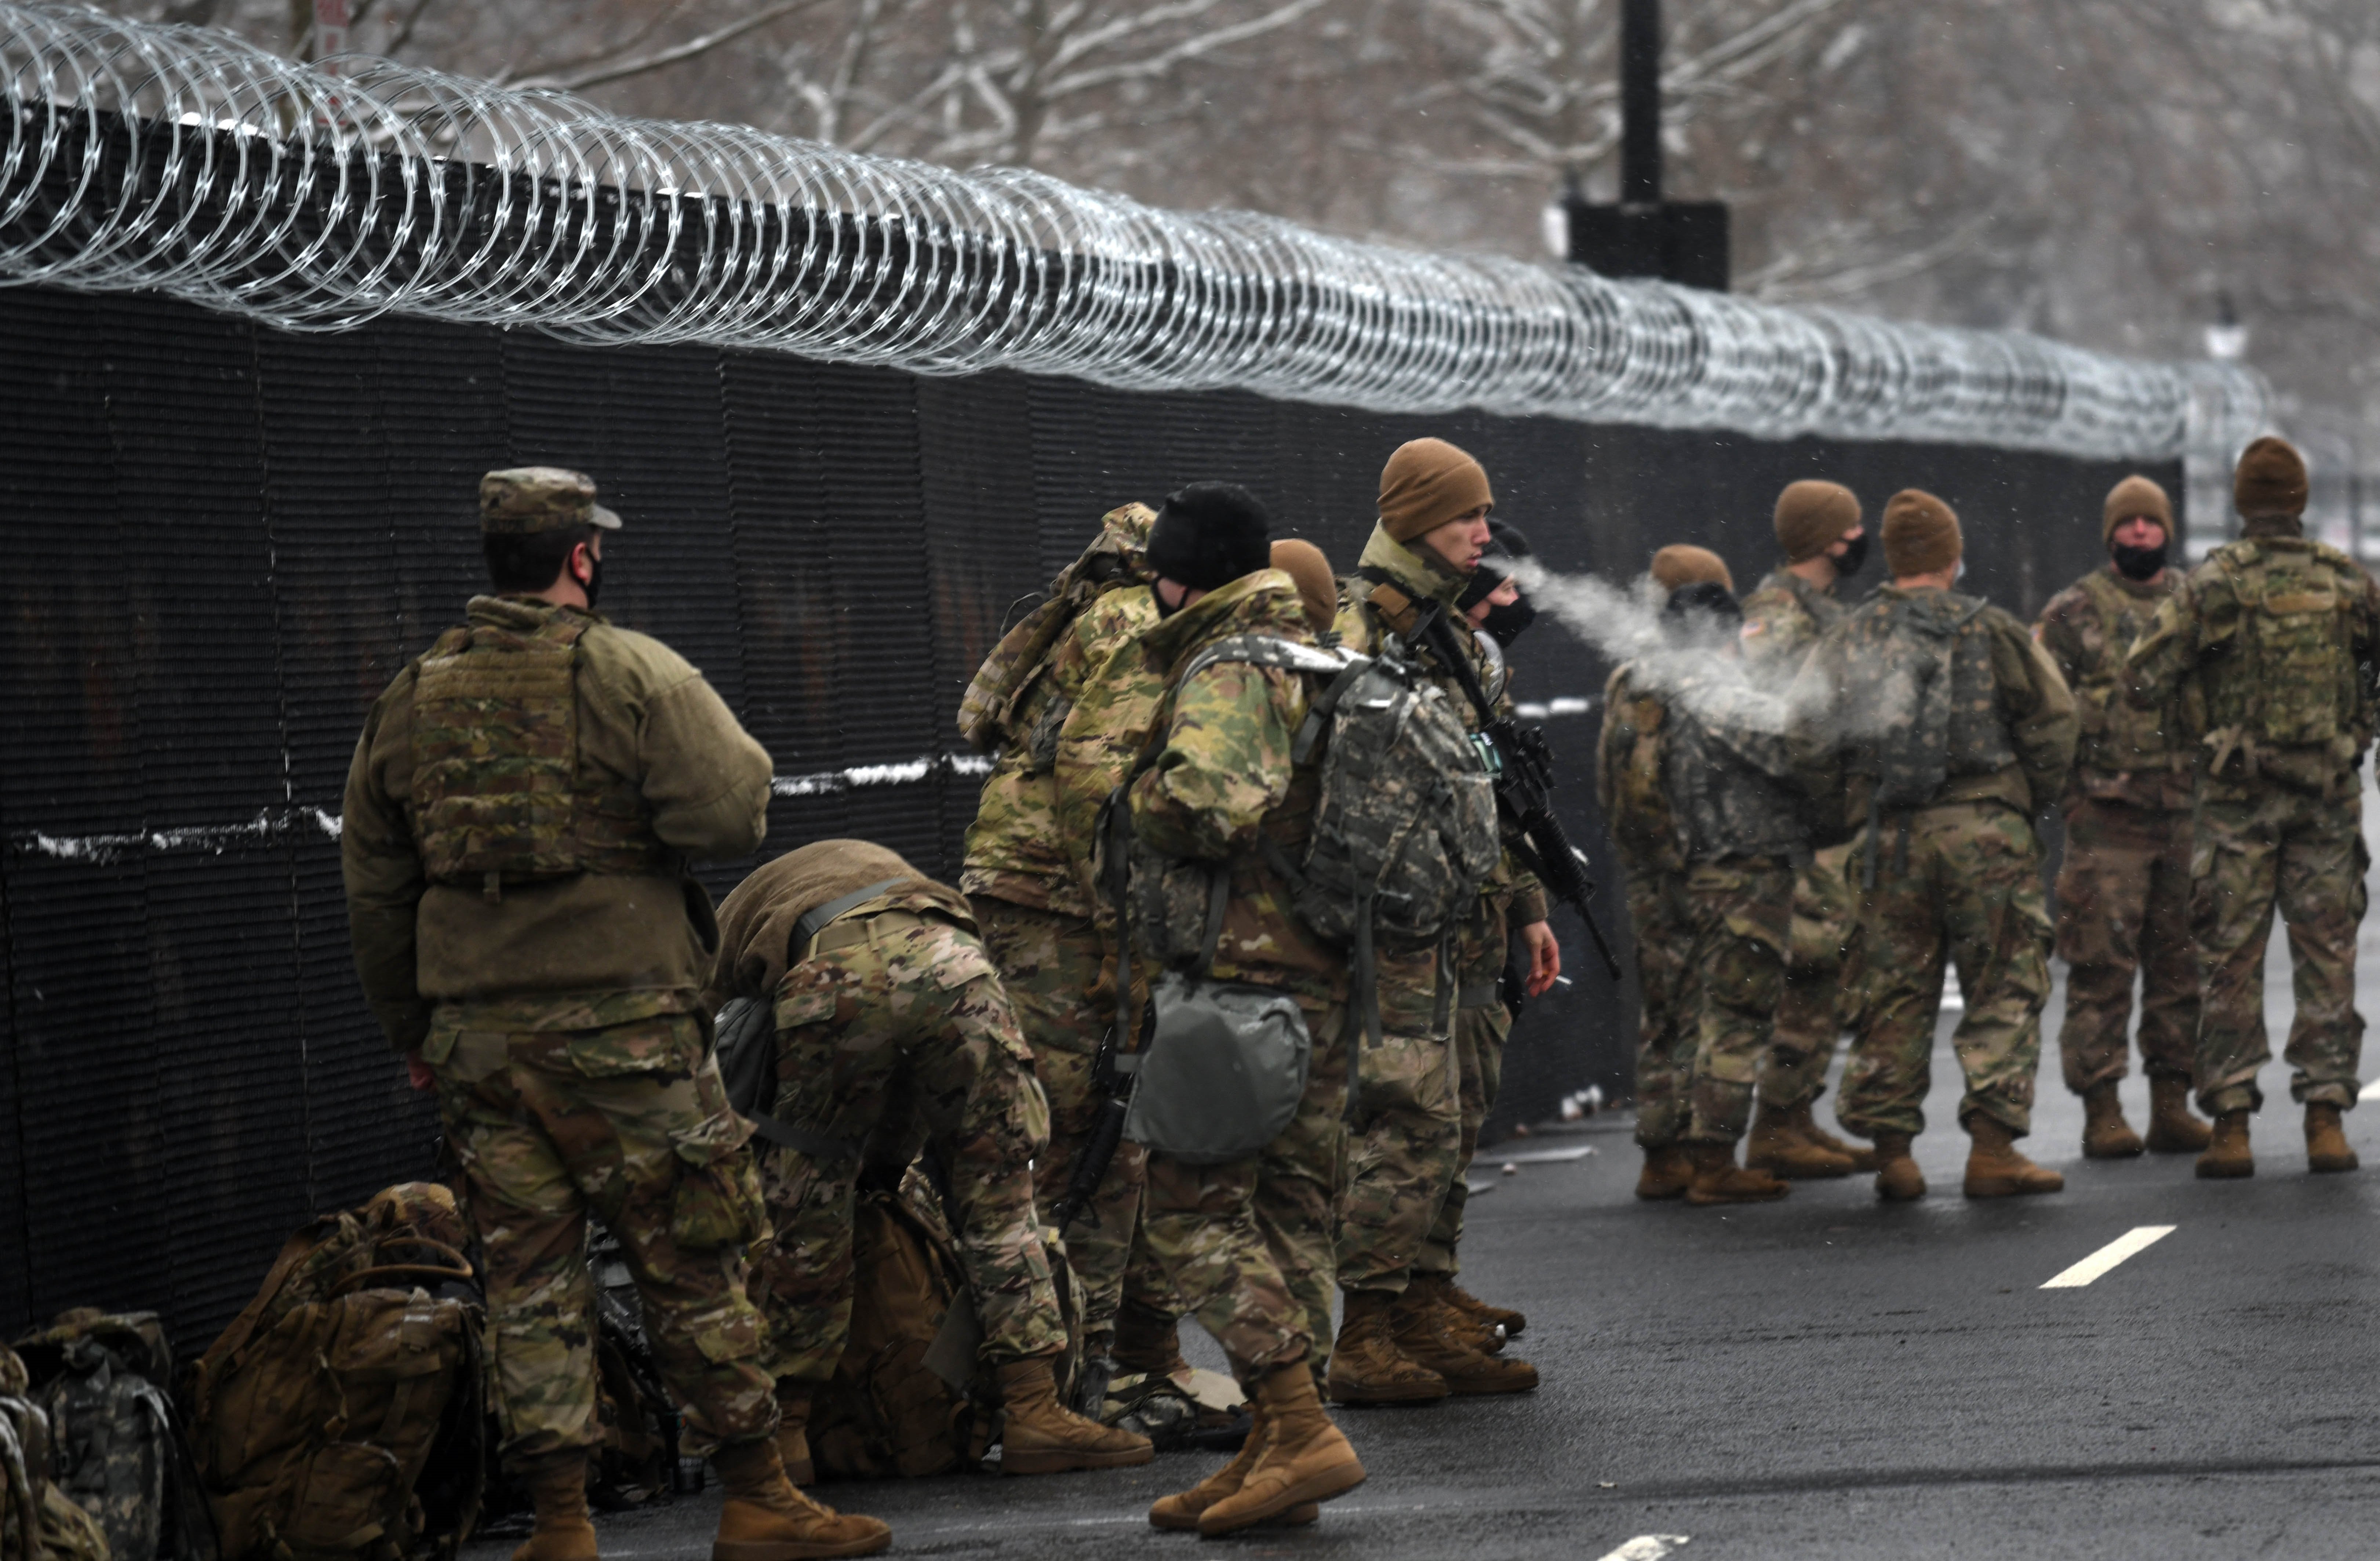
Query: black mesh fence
[{"x": 224, "y": 540}]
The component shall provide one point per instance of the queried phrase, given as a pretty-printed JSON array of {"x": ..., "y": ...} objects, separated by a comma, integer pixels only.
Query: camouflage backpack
[
  {"x": 2291, "y": 680},
  {"x": 38, "y": 1520},
  {"x": 1902, "y": 688},
  {"x": 1002, "y": 686},
  {"x": 342, "y": 1414},
  {"x": 116, "y": 1448},
  {"x": 1629, "y": 760}
]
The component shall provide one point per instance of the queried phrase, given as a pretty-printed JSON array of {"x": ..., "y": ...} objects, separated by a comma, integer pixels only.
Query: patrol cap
[{"x": 522, "y": 501}]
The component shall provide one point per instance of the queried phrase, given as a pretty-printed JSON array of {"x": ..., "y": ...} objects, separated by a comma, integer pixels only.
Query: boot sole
[
  {"x": 1711, "y": 1200},
  {"x": 1419, "y": 1393},
  {"x": 1057, "y": 1461},
  {"x": 786, "y": 1550},
  {"x": 2117, "y": 1154},
  {"x": 1998, "y": 1188},
  {"x": 1295, "y": 1518},
  {"x": 2334, "y": 1167},
  {"x": 2225, "y": 1173},
  {"x": 1786, "y": 1172},
  {"x": 1323, "y": 1485},
  {"x": 1483, "y": 1390},
  {"x": 2167, "y": 1146}
]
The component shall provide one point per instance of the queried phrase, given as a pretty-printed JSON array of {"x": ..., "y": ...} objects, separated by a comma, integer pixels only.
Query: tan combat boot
[
  {"x": 1181, "y": 1512},
  {"x": 1862, "y": 1158},
  {"x": 1039, "y": 1436},
  {"x": 764, "y": 1519},
  {"x": 2105, "y": 1134},
  {"x": 1148, "y": 1340},
  {"x": 1366, "y": 1367},
  {"x": 2326, "y": 1148},
  {"x": 2227, "y": 1152},
  {"x": 557, "y": 1487},
  {"x": 1304, "y": 1457},
  {"x": 1718, "y": 1180},
  {"x": 1460, "y": 1326},
  {"x": 1898, "y": 1180},
  {"x": 1995, "y": 1169},
  {"x": 1414, "y": 1321},
  {"x": 1780, "y": 1146},
  {"x": 2172, "y": 1130},
  {"x": 793, "y": 1431},
  {"x": 1668, "y": 1172},
  {"x": 1456, "y": 1299}
]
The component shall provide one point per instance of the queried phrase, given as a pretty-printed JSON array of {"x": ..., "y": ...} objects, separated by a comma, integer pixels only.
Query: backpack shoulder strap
[{"x": 1267, "y": 650}]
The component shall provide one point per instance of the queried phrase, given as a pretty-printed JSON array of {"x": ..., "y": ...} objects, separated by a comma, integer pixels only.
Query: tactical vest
[
  {"x": 1635, "y": 742},
  {"x": 2119, "y": 737},
  {"x": 2289, "y": 685},
  {"x": 1920, "y": 698},
  {"x": 1721, "y": 805},
  {"x": 498, "y": 795}
]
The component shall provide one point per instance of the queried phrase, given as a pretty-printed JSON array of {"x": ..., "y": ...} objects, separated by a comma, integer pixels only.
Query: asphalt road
[{"x": 1831, "y": 1377}]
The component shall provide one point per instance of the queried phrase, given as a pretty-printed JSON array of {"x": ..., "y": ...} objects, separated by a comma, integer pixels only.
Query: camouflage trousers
[
  {"x": 628, "y": 1122},
  {"x": 1660, "y": 929},
  {"x": 2307, "y": 856},
  {"x": 1740, "y": 913},
  {"x": 2123, "y": 906},
  {"x": 1049, "y": 964},
  {"x": 1248, "y": 1244},
  {"x": 1956, "y": 884},
  {"x": 898, "y": 1040},
  {"x": 1480, "y": 1030},
  {"x": 1823, "y": 974},
  {"x": 1406, "y": 1141}
]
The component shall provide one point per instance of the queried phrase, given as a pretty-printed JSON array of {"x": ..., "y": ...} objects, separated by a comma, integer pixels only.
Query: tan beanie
[
  {"x": 1921, "y": 534},
  {"x": 2271, "y": 479},
  {"x": 2136, "y": 496},
  {"x": 1304, "y": 562},
  {"x": 1680, "y": 565},
  {"x": 1426, "y": 483},
  {"x": 1812, "y": 516}
]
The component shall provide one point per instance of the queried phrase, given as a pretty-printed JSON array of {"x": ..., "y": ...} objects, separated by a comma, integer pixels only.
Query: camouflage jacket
[
  {"x": 1223, "y": 777},
  {"x": 2125, "y": 754},
  {"x": 2006, "y": 698},
  {"x": 1366, "y": 616},
  {"x": 2273, "y": 645},
  {"x": 1629, "y": 763},
  {"x": 623, "y": 947},
  {"x": 759, "y": 916},
  {"x": 1727, "y": 772},
  {"x": 1016, "y": 849},
  {"x": 1783, "y": 619},
  {"x": 1116, "y": 701}
]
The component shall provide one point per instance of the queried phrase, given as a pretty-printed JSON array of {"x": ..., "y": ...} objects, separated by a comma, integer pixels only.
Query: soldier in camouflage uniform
[
  {"x": 2272, "y": 644},
  {"x": 1394, "y": 1346},
  {"x": 894, "y": 1034},
  {"x": 1818, "y": 525},
  {"x": 1631, "y": 757},
  {"x": 1952, "y": 729},
  {"x": 2123, "y": 892},
  {"x": 1247, "y": 1242},
  {"x": 1028, "y": 876},
  {"x": 523, "y": 801}
]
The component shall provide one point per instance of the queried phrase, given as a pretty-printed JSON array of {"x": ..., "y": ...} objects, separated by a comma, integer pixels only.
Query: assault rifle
[
  {"x": 1107, "y": 1134},
  {"x": 1524, "y": 769}
]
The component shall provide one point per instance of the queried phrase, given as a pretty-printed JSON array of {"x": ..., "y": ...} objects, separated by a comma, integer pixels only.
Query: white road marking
[
  {"x": 2138, "y": 1239},
  {"x": 1647, "y": 1547},
  {"x": 1545, "y": 1157},
  {"x": 2371, "y": 1091}
]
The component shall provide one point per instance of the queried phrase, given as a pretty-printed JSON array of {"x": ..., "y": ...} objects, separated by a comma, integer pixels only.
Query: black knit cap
[
  {"x": 1506, "y": 546},
  {"x": 1209, "y": 533},
  {"x": 1703, "y": 607}
]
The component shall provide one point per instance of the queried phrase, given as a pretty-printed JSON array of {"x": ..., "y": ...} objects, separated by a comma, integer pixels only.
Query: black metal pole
[{"x": 1640, "y": 103}]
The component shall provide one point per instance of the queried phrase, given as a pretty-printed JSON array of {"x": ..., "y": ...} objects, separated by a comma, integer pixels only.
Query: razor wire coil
[{"x": 185, "y": 160}]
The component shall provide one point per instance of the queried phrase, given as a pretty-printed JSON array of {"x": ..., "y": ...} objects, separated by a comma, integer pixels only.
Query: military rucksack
[
  {"x": 342, "y": 1413},
  {"x": 38, "y": 1520},
  {"x": 1903, "y": 694},
  {"x": 910, "y": 1396},
  {"x": 2291, "y": 681},
  {"x": 999, "y": 691},
  {"x": 1636, "y": 803},
  {"x": 117, "y": 1446}
]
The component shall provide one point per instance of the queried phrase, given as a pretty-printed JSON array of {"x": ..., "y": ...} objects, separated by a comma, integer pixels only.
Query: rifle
[
  {"x": 1524, "y": 769},
  {"x": 1113, "y": 1082}
]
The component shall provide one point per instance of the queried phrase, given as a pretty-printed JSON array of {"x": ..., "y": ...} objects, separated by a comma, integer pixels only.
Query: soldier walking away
[
  {"x": 1945, "y": 729},
  {"x": 1029, "y": 881},
  {"x": 1819, "y": 525},
  {"x": 1396, "y": 1345},
  {"x": 2123, "y": 892},
  {"x": 1630, "y": 755},
  {"x": 2273, "y": 645},
  {"x": 894, "y": 1035},
  {"x": 1246, "y": 1242},
  {"x": 520, "y": 811}
]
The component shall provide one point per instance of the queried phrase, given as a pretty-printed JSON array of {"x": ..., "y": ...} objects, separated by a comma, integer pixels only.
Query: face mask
[
  {"x": 1854, "y": 555},
  {"x": 1507, "y": 622},
  {"x": 2139, "y": 563}
]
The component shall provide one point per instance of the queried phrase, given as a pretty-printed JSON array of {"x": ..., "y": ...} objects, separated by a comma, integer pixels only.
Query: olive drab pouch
[
  {"x": 1223, "y": 1070},
  {"x": 342, "y": 1412},
  {"x": 116, "y": 1445}
]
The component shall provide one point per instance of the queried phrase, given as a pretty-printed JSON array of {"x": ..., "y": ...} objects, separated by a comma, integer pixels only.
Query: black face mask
[
  {"x": 1854, "y": 555},
  {"x": 2139, "y": 563},
  {"x": 1507, "y": 622}
]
